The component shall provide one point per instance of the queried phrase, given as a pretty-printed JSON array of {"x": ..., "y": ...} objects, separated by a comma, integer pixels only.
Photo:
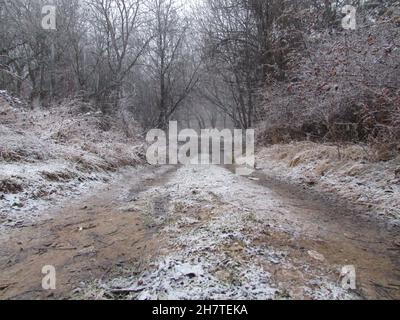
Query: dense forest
[{"x": 289, "y": 67}]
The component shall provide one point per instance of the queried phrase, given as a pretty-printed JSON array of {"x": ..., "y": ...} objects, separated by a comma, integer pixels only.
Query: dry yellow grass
[{"x": 298, "y": 153}]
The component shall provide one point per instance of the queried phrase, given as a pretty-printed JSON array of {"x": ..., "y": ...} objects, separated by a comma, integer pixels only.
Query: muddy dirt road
[
  {"x": 201, "y": 232},
  {"x": 87, "y": 239}
]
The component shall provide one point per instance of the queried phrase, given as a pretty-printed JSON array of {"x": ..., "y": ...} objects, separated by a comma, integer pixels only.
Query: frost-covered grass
[
  {"x": 209, "y": 224},
  {"x": 50, "y": 155},
  {"x": 348, "y": 171}
]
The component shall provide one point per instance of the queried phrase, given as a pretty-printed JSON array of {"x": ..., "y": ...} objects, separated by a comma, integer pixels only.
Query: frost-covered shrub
[{"x": 346, "y": 86}]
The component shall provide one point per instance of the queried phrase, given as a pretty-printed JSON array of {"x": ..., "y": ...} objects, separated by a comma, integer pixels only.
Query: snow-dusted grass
[
  {"x": 50, "y": 155},
  {"x": 346, "y": 171},
  {"x": 209, "y": 222}
]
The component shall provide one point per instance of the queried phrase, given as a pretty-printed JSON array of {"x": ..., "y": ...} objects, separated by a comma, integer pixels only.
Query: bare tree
[
  {"x": 171, "y": 71},
  {"x": 116, "y": 27}
]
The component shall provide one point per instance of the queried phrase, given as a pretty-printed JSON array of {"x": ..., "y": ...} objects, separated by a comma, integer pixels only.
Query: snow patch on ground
[
  {"x": 346, "y": 172},
  {"x": 47, "y": 156},
  {"x": 210, "y": 221}
]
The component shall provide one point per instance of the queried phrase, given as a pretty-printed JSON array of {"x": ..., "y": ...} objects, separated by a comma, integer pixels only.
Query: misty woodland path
[{"x": 198, "y": 232}]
